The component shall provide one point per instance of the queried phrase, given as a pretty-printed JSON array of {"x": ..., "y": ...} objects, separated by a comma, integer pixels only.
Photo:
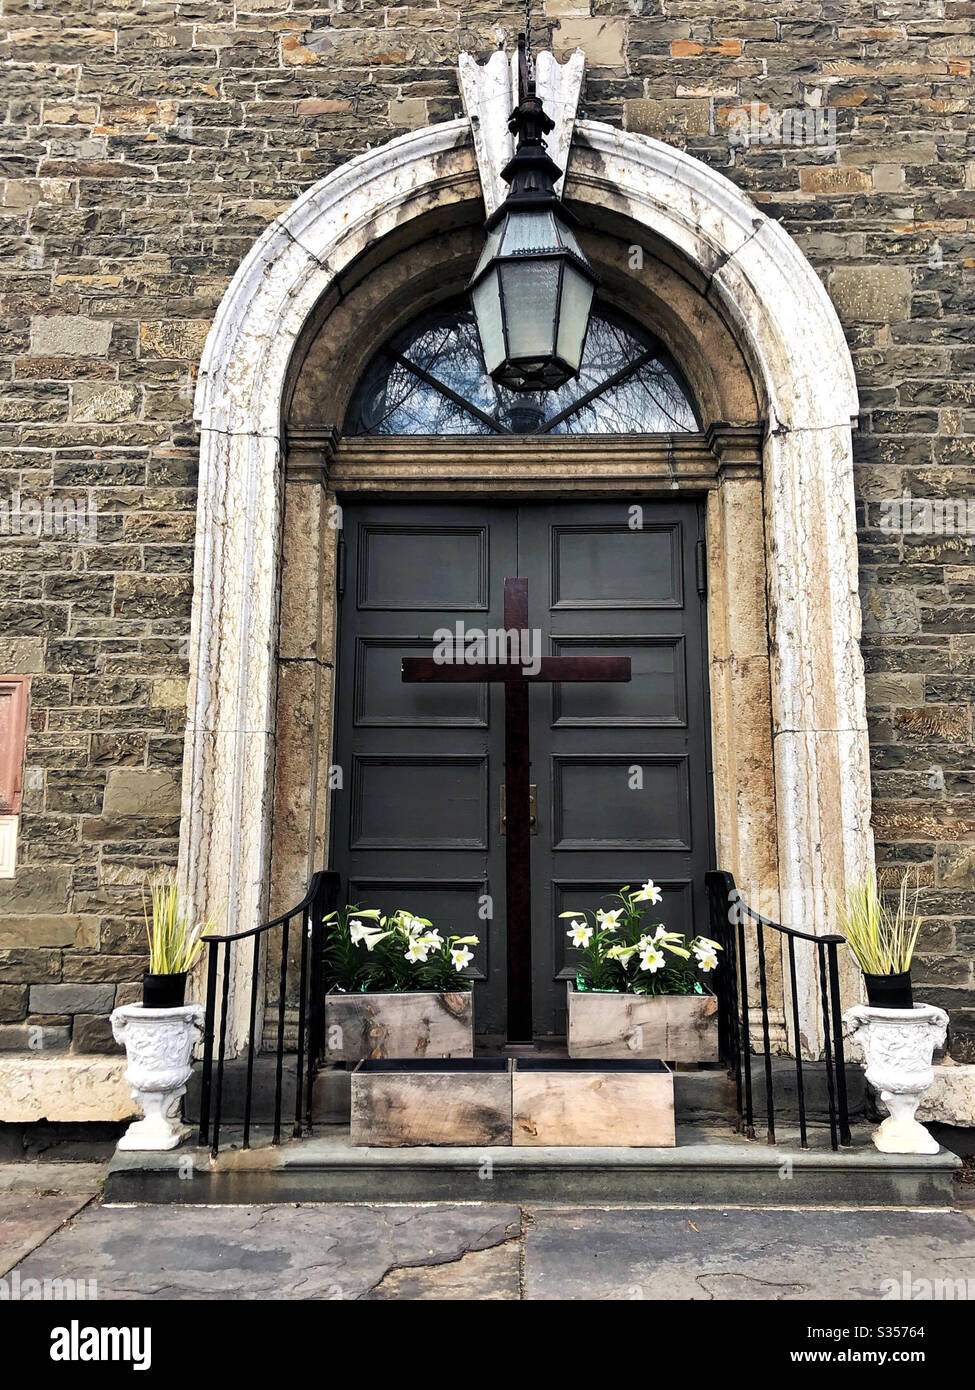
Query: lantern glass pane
[
  {"x": 570, "y": 241},
  {"x": 531, "y": 292},
  {"x": 490, "y": 248},
  {"x": 524, "y": 232},
  {"x": 487, "y": 307},
  {"x": 577, "y": 294}
]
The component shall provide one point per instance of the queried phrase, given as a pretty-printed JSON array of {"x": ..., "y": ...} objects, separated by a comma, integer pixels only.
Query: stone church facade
[{"x": 146, "y": 150}]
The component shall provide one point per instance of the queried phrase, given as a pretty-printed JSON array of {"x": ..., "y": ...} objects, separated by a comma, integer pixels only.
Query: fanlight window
[{"x": 431, "y": 379}]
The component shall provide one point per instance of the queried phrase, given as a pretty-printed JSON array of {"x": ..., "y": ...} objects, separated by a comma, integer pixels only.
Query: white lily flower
[
  {"x": 609, "y": 921},
  {"x": 580, "y": 934},
  {"x": 651, "y": 959},
  {"x": 361, "y": 932},
  {"x": 417, "y": 951},
  {"x": 649, "y": 893},
  {"x": 707, "y": 957},
  {"x": 460, "y": 957},
  {"x": 621, "y": 952}
]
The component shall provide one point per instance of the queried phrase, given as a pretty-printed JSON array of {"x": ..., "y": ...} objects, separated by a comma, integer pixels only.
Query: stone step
[
  {"x": 711, "y": 1166},
  {"x": 699, "y": 1095}
]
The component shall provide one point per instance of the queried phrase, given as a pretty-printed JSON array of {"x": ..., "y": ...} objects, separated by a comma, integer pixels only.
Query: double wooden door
[{"x": 621, "y": 771}]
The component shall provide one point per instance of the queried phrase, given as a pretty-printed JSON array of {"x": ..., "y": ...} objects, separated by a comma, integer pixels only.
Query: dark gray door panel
[{"x": 621, "y": 770}]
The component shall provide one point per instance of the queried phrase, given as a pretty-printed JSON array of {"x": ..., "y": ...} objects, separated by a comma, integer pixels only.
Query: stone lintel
[{"x": 656, "y": 464}]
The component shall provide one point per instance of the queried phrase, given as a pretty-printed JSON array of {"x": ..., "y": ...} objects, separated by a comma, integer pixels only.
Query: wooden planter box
[
  {"x": 624, "y": 1104},
  {"x": 449, "y": 1101},
  {"x": 538, "y": 1101},
  {"x": 411, "y": 1026},
  {"x": 676, "y": 1027}
]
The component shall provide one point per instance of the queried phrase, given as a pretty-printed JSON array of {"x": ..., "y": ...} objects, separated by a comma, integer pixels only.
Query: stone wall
[{"x": 144, "y": 149}]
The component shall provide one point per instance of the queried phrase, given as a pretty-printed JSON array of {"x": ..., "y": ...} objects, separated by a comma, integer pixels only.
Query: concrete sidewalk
[{"x": 491, "y": 1251}]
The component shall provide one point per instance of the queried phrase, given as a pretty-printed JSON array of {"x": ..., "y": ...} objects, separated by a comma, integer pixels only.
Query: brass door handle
[{"x": 532, "y": 810}]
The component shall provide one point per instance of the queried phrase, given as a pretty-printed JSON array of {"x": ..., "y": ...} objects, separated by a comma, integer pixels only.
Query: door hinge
[
  {"x": 532, "y": 810},
  {"x": 701, "y": 557},
  {"x": 340, "y": 567}
]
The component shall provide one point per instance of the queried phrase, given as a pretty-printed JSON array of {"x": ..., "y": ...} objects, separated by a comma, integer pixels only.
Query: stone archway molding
[{"x": 790, "y": 333}]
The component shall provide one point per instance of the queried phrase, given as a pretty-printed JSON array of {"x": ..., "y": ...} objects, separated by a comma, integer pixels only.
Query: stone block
[
  {"x": 886, "y": 688},
  {"x": 951, "y": 1099},
  {"x": 93, "y": 1033},
  {"x": 871, "y": 294},
  {"x": 34, "y": 1037},
  {"x": 408, "y": 111},
  {"x": 38, "y": 931},
  {"x": 22, "y": 656},
  {"x": 93, "y": 401},
  {"x": 324, "y": 106},
  {"x": 955, "y": 866},
  {"x": 62, "y": 1088},
  {"x": 141, "y": 792},
  {"x": 934, "y": 723},
  {"x": 35, "y": 890},
  {"x": 13, "y": 1003},
  {"x": 27, "y": 967},
  {"x": 174, "y": 338},
  {"x": 170, "y": 693},
  {"x": 69, "y": 335},
  {"x": 72, "y": 998},
  {"x": 602, "y": 39},
  {"x": 663, "y": 119}
]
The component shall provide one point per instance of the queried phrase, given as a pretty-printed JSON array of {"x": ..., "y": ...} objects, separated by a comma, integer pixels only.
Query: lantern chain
[{"x": 529, "y": 61}]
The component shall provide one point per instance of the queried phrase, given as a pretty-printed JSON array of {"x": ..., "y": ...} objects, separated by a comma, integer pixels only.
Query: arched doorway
[{"x": 393, "y": 234}]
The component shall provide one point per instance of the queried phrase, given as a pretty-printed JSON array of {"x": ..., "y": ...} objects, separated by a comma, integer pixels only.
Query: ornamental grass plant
[
  {"x": 882, "y": 937},
  {"x": 174, "y": 943}
]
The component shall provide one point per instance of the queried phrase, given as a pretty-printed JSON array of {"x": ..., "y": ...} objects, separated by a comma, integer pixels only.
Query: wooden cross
[{"x": 517, "y": 776}]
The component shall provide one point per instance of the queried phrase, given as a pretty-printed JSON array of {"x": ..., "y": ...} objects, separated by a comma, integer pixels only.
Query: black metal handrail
[
  {"x": 728, "y": 913},
  {"x": 321, "y": 899}
]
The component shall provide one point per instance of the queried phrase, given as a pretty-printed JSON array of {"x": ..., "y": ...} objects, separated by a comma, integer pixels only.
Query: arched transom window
[{"x": 430, "y": 379}]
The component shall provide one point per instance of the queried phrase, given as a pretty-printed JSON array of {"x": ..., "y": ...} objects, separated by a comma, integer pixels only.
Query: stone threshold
[{"x": 710, "y": 1167}]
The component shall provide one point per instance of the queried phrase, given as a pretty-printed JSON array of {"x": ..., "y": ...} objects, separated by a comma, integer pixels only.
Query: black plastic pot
[
  {"x": 163, "y": 991},
  {"x": 890, "y": 991}
]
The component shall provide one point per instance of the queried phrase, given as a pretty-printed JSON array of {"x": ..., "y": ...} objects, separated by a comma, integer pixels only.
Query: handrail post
[
  {"x": 305, "y": 928},
  {"x": 209, "y": 1020},
  {"x": 766, "y": 1043},
  {"x": 827, "y": 1048},
  {"x": 838, "y": 1054},
  {"x": 221, "y": 1051}
]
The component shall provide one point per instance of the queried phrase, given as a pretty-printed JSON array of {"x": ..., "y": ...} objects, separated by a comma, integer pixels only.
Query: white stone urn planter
[
  {"x": 159, "y": 1047},
  {"x": 898, "y": 1045}
]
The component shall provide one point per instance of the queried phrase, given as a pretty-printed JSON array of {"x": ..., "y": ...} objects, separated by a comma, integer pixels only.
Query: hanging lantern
[{"x": 532, "y": 288}]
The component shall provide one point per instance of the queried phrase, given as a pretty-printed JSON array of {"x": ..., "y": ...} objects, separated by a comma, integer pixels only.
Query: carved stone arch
[
  {"x": 435, "y": 265},
  {"x": 799, "y": 611}
]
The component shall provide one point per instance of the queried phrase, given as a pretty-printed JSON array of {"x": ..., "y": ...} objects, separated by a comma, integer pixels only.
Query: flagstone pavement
[{"x": 52, "y": 1226}]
